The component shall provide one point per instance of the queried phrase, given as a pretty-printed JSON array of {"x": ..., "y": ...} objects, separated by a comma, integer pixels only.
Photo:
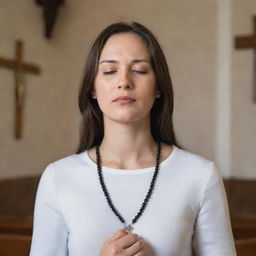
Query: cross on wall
[
  {"x": 19, "y": 67},
  {"x": 249, "y": 42}
]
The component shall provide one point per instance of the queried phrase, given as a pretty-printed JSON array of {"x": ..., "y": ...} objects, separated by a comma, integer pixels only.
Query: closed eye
[
  {"x": 108, "y": 72},
  {"x": 140, "y": 72}
]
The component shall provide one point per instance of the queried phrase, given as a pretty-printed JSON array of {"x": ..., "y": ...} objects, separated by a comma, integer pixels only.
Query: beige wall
[
  {"x": 243, "y": 109},
  {"x": 186, "y": 30}
]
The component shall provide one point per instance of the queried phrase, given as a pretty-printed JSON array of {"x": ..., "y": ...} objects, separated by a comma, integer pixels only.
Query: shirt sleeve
[
  {"x": 213, "y": 234},
  {"x": 50, "y": 233}
]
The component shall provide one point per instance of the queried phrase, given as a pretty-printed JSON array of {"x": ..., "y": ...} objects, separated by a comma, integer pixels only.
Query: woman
[{"x": 130, "y": 189}]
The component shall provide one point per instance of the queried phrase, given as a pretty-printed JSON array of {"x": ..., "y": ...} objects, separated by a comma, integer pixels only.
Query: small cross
[
  {"x": 249, "y": 42},
  {"x": 19, "y": 68},
  {"x": 128, "y": 228}
]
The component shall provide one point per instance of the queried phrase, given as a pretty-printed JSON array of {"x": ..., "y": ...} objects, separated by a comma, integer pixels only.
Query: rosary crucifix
[{"x": 19, "y": 68}]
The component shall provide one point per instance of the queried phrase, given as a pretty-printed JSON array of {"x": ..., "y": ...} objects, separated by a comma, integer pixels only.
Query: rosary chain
[{"x": 148, "y": 196}]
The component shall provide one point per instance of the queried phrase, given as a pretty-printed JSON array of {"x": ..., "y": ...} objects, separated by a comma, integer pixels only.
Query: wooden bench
[
  {"x": 246, "y": 247},
  {"x": 17, "y": 196},
  {"x": 18, "y": 226},
  {"x": 14, "y": 245},
  {"x": 244, "y": 228}
]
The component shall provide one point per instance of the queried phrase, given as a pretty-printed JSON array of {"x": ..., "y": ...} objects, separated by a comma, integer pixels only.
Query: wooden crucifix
[
  {"x": 19, "y": 68},
  {"x": 249, "y": 42},
  {"x": 50, "y": 8}
]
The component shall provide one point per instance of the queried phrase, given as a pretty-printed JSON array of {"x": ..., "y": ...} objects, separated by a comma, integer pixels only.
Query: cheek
[
  {"x": 148, "y": 89},
  {"x": 103, "y": 93},
  {"x": 101, "y": 87}
]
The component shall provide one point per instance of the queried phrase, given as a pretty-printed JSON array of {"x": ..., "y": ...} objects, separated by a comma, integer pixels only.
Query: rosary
[{"x": 128, "y": 228}]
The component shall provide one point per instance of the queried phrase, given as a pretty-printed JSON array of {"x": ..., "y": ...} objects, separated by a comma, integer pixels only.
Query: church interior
[{"x": 210, "y": 48}]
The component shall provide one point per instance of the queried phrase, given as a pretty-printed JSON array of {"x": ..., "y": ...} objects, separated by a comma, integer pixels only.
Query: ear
[
  {"x": 158, "y": 94},
  {"x": 93, "y": 94}
]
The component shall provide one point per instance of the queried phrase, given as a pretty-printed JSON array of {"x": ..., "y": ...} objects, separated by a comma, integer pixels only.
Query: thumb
[{"x": 119, "y": 233}]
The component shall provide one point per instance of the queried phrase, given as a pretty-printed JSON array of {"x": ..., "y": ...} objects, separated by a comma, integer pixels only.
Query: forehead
[{"x": 125, "y": 45}]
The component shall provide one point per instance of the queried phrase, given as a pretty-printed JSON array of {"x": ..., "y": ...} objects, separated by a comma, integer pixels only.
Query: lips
[{"x": 124, "y": 99}]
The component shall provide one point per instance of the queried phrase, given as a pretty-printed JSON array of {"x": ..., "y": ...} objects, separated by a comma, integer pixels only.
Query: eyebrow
[{"x": 115, "y": 61}]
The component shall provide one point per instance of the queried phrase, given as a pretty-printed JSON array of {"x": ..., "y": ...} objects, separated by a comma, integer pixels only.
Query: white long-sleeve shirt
[{"x": 188, "y": 207}]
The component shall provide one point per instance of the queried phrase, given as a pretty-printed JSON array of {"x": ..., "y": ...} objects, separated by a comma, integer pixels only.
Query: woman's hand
[{"x": 124, "y": 244}]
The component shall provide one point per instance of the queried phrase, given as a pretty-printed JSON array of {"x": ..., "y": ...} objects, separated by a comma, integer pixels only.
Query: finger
[
  {"x": 119, "y": 233},
  {"x": 128, "y": 240},
  {"x": 136, "y": 248},
  {"x": 140, "y": 253}
]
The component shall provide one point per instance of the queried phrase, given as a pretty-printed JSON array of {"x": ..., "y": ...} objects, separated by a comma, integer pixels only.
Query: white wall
[{"x": 187, "y": 31}]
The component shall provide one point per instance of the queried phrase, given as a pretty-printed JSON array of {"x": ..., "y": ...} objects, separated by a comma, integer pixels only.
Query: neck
[{"x": 128, "y": 146}]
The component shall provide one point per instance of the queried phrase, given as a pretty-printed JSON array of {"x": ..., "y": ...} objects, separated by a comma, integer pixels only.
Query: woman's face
[{"x": 125, "y": 71}]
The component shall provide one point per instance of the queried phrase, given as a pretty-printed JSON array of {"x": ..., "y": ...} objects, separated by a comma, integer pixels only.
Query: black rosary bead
[{"x": 148, "y": 196}]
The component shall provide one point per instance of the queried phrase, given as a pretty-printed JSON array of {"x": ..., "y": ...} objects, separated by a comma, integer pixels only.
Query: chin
[
  {"x": 127, "y": 116},
  {"x": 125, "y": 120}
]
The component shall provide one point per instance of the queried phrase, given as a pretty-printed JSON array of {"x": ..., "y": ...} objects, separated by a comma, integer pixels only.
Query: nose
[
  {"x": 125, "y": 81},
  {"x": 124, "y": 86}
]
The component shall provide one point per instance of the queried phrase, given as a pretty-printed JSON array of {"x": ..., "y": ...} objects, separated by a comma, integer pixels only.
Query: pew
[
  {"x": 246, "y": 247},
  {"x": 17, "y": 197},
  {"x": 244, "y": 231},
  {"x": 14, "y": 245},
  {"x": 18, "y": 226},
  {"x": 243, "y": 228}
]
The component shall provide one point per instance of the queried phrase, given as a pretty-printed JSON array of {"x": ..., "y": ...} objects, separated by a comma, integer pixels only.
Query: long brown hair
[{"x": 92, "y": 127}]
